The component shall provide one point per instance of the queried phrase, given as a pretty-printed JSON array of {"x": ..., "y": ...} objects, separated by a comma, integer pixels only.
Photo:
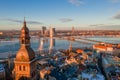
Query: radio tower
[{"x": 71, "y": 39}]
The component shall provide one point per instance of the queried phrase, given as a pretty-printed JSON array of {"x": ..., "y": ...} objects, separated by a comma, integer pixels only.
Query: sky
[{"x": 61, "y": 14}]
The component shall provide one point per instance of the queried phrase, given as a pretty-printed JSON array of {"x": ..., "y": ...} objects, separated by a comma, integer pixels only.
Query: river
[{"x": 11, "y": 47}]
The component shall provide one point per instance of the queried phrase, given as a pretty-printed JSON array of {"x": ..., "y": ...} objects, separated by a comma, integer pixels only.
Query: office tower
[
  {"x": 52, "y": 41},
  {"x": 43, "y": 30}
]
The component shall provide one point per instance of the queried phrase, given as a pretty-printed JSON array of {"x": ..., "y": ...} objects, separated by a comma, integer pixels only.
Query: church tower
[{"x": 25, "y": 68}]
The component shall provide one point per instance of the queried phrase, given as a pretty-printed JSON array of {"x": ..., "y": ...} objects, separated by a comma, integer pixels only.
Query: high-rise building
[
  {"x": 43, "y": 30},
  {"x": 24, "y": 64},
  {"x": 52, "y": 41},
  {"x": 52, "y": 32},
  {"x": 41, "y": 47}
]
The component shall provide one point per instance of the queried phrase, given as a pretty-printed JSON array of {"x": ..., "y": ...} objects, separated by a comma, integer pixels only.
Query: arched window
[
  {"x": 22, "y": 41},
  {"x": 20, "y": 68},
  {"x": 23, "y": 68}
]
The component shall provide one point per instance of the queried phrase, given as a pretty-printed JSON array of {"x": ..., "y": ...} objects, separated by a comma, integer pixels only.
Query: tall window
[
  {"x": 23, "y": 68},
  {"x": 20, "y": 68},
  {"x": 23, "y": 42}
]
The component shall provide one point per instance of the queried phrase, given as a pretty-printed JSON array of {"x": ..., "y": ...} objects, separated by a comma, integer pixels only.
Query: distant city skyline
[{"x": 61, "y": 14}]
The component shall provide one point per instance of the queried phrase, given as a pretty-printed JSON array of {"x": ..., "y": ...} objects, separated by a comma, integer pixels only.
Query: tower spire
[
  {"x": 25, "y": 37},
  {"x": 24, "y": 22},
  {"x": 24, "y": 18}
]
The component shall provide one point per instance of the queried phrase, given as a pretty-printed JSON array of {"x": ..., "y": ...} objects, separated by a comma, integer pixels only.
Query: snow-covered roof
[
  {"x": 42, "y": 62},
  {"x": 90, "y": 76},
  {"x": 2, "y": 68}
]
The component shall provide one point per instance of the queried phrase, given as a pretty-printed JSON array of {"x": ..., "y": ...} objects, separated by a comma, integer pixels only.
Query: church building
[{"x": 24, "y": 63}]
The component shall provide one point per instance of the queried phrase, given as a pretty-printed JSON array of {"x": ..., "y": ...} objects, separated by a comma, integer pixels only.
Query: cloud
[
  {"x": 105, "y": 26},
  {"x": 76, "y": 2},
  {"x": 96, "y": 25},
  {"x": 20, "y": 21},
  {"x": 117, "y": 16},
  {"x": 64, "y": 20},
  {"x": 34, "y": 22}
]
